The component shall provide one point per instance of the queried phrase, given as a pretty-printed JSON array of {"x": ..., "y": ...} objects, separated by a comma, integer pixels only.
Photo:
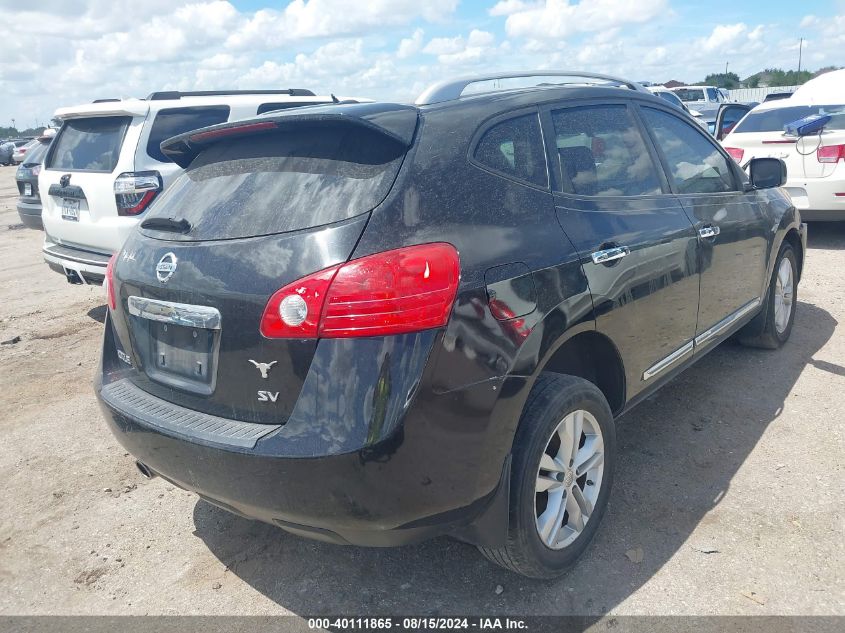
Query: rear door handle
[
  {"x": 610, "y": 254},
  {"x": 709, "y": 231}
]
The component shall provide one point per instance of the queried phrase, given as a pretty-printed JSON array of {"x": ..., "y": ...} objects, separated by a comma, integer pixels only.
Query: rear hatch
[
  {"x": 761, "y": 134},
  {"x": 77, "y": 179},
  {"x": 262, "y": 204}
]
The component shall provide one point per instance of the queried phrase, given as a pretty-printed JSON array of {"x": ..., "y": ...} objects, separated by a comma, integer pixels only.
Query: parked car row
[{"x": 375, "y": 323}]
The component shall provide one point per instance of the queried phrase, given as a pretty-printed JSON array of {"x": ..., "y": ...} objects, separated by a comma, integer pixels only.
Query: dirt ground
[{"x": 729, "y": 492}]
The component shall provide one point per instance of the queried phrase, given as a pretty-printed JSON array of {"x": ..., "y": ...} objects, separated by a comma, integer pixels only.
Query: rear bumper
[
  {"x": 78, "y": 265},
  {"x": 30, "y": 214},
  {"x": 435, "y": 471},
  {"x": 816, "y": 198}
]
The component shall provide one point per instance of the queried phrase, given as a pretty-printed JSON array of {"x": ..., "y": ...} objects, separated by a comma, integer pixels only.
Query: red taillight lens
[
  {"x": 831, "y": 153},
  {"x": 134, "y": 191},
  {"x": 109, "y": 282},
  {"x": 736, "y": 153},
  {"x": 404, "y": 290}
]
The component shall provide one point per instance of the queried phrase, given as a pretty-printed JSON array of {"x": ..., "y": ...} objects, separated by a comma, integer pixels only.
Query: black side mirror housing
[{"x": 766, "y": 173}]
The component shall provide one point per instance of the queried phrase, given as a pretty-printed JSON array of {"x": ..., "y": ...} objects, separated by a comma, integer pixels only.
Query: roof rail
[
  {"x": 176, "y": 94},
  {"x": 453, "y": 88},
  {"x": 110, "y": 100}
]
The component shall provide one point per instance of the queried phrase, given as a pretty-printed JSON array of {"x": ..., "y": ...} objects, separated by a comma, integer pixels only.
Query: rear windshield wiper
[{"x": 167, "y": 224}]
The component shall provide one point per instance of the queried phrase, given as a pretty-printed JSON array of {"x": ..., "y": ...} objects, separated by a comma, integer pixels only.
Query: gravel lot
[{"x": 729, "y": 491}]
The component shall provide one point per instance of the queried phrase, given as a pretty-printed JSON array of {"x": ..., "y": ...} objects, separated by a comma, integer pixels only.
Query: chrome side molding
[
  {"x": 689, "y": 347},
  {"x": 204, "y": 317},
  {"x": 671, "y": 359},
  {"x": 725, "y": 323}
]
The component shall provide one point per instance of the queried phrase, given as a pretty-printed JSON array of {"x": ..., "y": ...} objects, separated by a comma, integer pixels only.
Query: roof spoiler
[{"x": 396, "y": 122}]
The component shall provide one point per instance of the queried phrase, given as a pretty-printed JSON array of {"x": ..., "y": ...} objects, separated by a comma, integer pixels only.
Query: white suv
[{"x": 105, "y": 167}]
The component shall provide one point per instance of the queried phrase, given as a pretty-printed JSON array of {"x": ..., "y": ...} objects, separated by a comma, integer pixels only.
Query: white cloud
[
  {"x": 724, "y": 36},
  {"x": 809, "y": 21},
  {"x": 555, "y": 19},
  {"x": 304, "y": 19},
  {"x": 452, "y": 51},
  {"x": 410, "y": 46},
  {"x": 507, "y": 7}
]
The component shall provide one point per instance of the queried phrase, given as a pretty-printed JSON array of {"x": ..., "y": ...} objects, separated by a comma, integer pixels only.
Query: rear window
[
  {"x": 671, "y": 97},
  {"x": 775, "y": 120},
  {"x": 281, "y": 181},
  {"x": 91, "y": 144},
  {"x": 35, "y": 155},
  {"x": 690, "y": 94},
  {"x": 174, "y": 121}
]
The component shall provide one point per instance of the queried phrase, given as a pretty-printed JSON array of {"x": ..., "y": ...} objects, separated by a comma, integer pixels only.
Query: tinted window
[
  {"x": 711, "y": 95},
  {"x": 35, "y": 155},
  {"x": 175, "y": 121},
  {"x": 696, "y": 165},
  {"x": 269, "y": 107},
  {"x": 602, "y": 153},
  {"x": 774, "y": 120},
  {"x": 280, "y": 182},
  {"x": 89, "y": 144},
  {"x": 690, "y": 94},
  {"x": 671, "y": 97},
  {"x": 515, "y": 147}
]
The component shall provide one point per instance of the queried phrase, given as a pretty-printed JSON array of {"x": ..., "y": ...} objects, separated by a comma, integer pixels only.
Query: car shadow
[
  {"x": 826, "y": 235},
  {"x": 98, "y": 313},
  {"x": 678, "y": 452}
]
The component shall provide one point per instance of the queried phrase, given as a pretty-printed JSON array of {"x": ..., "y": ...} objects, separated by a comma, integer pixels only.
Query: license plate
[
  {"x": 182, "y": 352},
  {"x": 70, "y": 209},
  {"x": 27, "y": 188}
]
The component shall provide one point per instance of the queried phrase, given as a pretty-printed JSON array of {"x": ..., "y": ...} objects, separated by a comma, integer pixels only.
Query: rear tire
[
  {"x": 780, "y": 303},
  {"x": 559, "y": 490}
]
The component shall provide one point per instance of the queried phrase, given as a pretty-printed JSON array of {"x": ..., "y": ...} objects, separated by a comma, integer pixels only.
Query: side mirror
[{"x": 766, "y": 173}]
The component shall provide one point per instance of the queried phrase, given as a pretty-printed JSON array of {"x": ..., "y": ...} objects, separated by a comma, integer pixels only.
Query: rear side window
[
  {"x": 602, "y": 153},
  {"x": 91, "y": 144},
  {"x": 515, "y": 148},
  {"x": 281, "y": 181},
  {"x": 695, "y": 164},
  {"x": 775, "y": 120},
  {"x": 173, "y": 121},
  {"x": 35, "y": 155},
  {"x": 284, "y": 105}
]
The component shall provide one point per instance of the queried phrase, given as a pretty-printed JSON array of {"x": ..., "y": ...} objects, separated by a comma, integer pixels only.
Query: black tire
[
  {"x": 769, "y": 337},
  {"x": 552, "y": 398}
]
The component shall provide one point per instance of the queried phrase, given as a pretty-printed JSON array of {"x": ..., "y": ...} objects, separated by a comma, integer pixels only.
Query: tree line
[{"x": 771, "y": 77}]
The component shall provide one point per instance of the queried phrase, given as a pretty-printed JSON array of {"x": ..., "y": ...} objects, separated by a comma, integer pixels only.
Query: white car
[
  {"x": 815, "y": 163},
  {"x": 105, "y": 167},
  {"x": 704, "y": 99},
  {"x": 19, "y": 154}
]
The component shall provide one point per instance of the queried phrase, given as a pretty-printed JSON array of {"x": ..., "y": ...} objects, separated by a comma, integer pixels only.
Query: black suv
[{"x": 378, "y": 323}]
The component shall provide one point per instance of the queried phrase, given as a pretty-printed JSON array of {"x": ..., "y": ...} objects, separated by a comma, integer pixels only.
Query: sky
[{"x": 63, "y": 52}]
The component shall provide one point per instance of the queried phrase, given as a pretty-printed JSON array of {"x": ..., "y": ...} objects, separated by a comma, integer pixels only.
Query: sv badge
[{"x": 268, "y": 396}]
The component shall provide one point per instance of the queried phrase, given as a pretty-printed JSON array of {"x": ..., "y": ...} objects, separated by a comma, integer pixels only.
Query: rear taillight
[
  {"x": 404, "y": 290},
  {"x": 36, "y": 170},
  {"x": 109, "y": 283},
  {"x": 736, "y": 153},
  {"x": 134, "y": 191},
  {"x": 831, "y": 153}
]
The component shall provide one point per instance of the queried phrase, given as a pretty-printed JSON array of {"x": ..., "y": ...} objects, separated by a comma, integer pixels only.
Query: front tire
[
  {"x": 563, "y": 459},
  {"x": 781, "y": 299}
]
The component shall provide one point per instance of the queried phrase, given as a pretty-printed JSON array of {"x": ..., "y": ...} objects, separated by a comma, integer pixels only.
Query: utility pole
[
  {"x": 800, "y": 46},
  {"x": 726, "y": 68},
  {"x": 13, "y": 125}
]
